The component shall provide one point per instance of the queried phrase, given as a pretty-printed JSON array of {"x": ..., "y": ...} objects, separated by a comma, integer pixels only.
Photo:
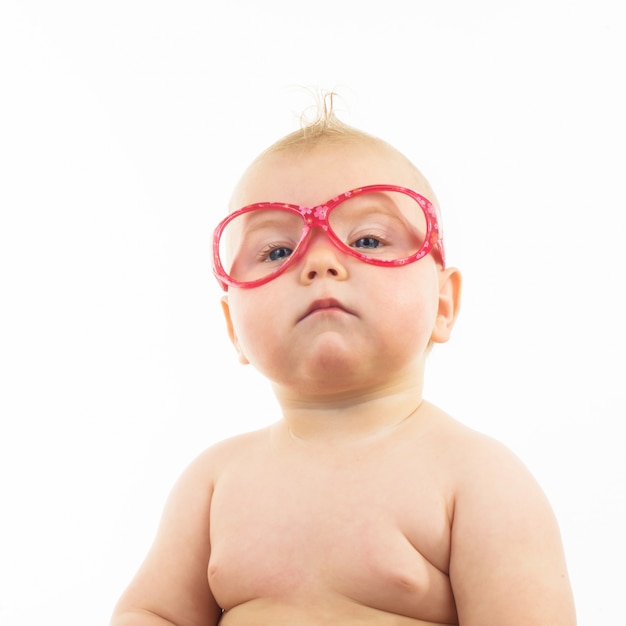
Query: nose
[{"x": 322, "y": 259}]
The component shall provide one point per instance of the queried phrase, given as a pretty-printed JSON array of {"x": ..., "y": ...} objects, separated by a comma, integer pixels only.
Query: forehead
[{"x": 312, "y": 175}]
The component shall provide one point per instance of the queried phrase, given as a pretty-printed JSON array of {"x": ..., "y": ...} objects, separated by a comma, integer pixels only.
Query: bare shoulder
[
  {"x": 472, "y": 456},
  {"x": 507, "y": 563},
  {"x": 171, "y": 583},
  {"x": 488, "y": 481},
  {"x": 204, "y": 470}
]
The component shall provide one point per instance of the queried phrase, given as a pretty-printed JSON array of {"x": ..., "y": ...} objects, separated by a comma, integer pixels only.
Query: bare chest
[{"x": 373, "y": 529}]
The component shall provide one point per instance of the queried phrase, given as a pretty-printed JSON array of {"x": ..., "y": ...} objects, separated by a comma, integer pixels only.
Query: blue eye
[
  {"x": 278, "y": 254},
  {"x": 367, "y": 242}
]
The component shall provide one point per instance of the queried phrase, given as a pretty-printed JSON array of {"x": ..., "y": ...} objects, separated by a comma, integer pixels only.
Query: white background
[{"x": 123, "y": 127}]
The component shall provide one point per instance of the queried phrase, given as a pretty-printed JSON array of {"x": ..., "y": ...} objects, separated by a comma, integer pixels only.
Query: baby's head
[
  {"x": 328, "y": 132},
  {"x": 329, "y": 155},
  {"x": 373, "y": 254}
]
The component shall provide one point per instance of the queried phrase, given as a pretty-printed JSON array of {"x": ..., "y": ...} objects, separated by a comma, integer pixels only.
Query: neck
[{"x": 349, "y": 417}]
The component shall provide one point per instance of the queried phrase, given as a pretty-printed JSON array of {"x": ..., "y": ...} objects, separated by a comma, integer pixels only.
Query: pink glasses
[{"x": 384, "y": 225}]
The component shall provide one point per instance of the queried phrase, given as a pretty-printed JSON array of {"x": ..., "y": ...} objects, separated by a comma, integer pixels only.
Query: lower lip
[{"x": 329, "y": 310}]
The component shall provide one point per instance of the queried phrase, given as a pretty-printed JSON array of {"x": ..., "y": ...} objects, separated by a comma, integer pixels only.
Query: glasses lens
[
  {"x": 255, "y": 244},
  {"x": 385, "y": 226},
  {"x": 382, "y": 226}
]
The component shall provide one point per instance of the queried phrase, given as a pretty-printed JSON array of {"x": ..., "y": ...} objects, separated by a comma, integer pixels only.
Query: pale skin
[{"x": 364, "y": 504}]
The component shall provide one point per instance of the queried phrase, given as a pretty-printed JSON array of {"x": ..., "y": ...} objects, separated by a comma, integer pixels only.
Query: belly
[
  {"x": 368, "y": 567},
  {"x": 316, "y": 612}
]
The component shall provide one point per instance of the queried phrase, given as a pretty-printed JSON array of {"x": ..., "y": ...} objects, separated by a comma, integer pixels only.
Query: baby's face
[{"x": 332, "y": 320}]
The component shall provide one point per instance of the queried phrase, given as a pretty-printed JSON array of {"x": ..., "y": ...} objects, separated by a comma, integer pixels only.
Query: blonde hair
[{"x": 325, "y": 127}]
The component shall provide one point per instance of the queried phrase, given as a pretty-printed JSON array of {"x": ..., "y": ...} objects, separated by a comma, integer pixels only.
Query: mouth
[{"x": 325, "y": 305}]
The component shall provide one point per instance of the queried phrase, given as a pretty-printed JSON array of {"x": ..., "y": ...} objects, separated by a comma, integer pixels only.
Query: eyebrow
[
  {"x": 392, "y": 209},
  {"x": 254, "y": 221}
]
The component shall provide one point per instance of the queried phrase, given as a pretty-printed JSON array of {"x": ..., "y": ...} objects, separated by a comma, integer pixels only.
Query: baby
[{"x": 363, "y": 504}]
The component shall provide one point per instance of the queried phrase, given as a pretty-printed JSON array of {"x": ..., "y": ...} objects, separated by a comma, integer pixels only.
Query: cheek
[
  {"x": 256, "y": 322},
  {"x": 411, "y": 304}
]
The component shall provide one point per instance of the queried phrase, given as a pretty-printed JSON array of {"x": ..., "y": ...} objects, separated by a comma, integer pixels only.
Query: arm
[
  {"x": 507, "y": 566},
  {"x": 171, "y": 586}
]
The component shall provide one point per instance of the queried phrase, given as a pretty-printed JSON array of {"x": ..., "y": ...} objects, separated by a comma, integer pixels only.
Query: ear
[
  {"x": 449, "y": 304},
  {"x": 231, "y": 330}
]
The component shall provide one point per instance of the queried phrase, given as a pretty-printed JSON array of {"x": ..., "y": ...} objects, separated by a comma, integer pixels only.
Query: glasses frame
[{"x": 317, "y": 217}]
